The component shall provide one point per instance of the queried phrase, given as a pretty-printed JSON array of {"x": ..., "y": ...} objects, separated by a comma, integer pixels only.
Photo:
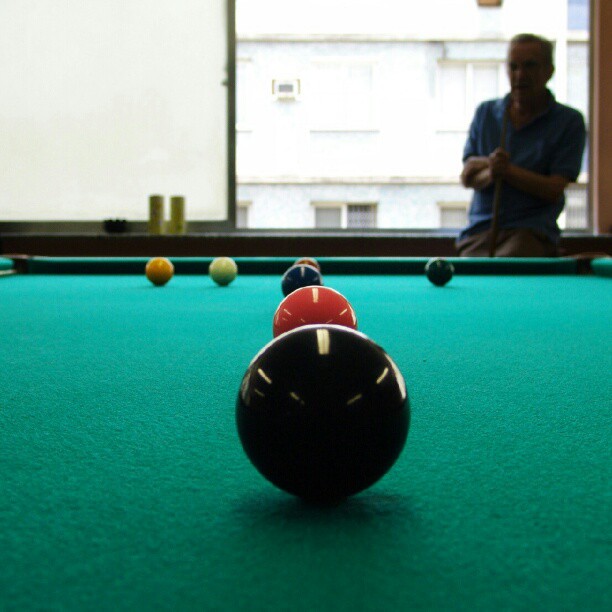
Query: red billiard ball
[{"x": 310, "y": 305}]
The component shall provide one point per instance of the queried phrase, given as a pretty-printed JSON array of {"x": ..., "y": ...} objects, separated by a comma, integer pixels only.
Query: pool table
[{"x": 123, "y": 484}]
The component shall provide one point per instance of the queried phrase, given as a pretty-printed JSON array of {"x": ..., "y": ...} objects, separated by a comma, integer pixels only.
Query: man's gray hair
[{"x": 545, "y": 45}]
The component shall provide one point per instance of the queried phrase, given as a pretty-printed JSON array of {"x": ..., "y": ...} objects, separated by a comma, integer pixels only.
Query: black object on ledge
[{"x": 116, "y": 226}]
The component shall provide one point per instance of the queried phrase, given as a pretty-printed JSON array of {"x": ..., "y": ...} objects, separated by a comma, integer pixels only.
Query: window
[
  {"x": 329, "y": 215},
  {"x": 341, "y": 94},
  {"x": 575, "y": 214},
  {"x": 105, "y": 103},
  {"x": 577, "y": 14},
  {"x": 462, "y": 86},
  {"x": 453, "y": 215},
  {"x": 103, "y": 106},
  {"x": 242, "y": 215},
  {"x": 578, "y": 77},
  {"x": 245, "y": 87},
  {"x": 384, "y": 108},
  {"x": 360, "y": 216}
]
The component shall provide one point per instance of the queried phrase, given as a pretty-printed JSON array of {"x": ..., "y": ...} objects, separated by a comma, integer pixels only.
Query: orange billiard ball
[
  {"x": 159, "y": 270},
  {"x": 308, "y": 261}
]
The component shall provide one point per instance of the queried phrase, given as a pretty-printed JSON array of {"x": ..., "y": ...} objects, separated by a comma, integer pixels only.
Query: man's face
[{"x": 528, "y": 71}]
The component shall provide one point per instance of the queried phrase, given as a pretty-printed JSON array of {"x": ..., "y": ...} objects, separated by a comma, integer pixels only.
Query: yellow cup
[
  {"x": 177, "y": 223},
  {"x": 156, "y": 214}
]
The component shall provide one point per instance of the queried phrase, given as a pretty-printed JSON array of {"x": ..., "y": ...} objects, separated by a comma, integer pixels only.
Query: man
[{"x": 541, "y": 153}]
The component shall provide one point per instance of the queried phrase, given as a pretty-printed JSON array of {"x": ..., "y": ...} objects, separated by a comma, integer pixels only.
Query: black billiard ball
[
  {"x": 300, "y": 276},
  {"x": 439, "y": 271},
  {"x": 322, "y": 412}
]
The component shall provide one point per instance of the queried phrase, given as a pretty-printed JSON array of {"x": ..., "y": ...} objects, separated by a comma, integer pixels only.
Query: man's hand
[
  {"x": 481, "y": 172},
  {"x": 499, "y": 163},
  {"x": 476, "y": 173}
]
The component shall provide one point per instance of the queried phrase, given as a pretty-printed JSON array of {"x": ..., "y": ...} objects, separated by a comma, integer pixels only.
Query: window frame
[{"x": 446, "y": 124}]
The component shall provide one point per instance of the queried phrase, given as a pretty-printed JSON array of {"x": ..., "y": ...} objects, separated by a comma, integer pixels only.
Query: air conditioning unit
[{"x": 286, "y": 89}]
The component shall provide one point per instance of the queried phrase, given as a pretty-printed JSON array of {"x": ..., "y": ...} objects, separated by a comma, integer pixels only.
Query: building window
[
  {"x": 338, "y": 215},
  {"x": 244, "y": 93},
  {"x": 242, "y": 214},
  {"x": 453, "y": 215},
  {"x": 578, "y": 14},
  {"x": 360, "y": 216},
  {"x": 341, "y": 95},
  {"x": 575, "y": 215},
  {"x": 464, "y": 85},
  {"x": 328, "y": 217}
]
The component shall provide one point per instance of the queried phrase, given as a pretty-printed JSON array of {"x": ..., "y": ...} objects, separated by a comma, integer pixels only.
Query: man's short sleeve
[
  {"x": 471, "y": 145},
  {"x": 566, "y": 160}
]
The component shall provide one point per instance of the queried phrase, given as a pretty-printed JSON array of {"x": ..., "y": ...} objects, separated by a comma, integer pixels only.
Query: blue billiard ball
[
  {"x": 439, "y": 271},
  {"x": 300, "y": 276}
]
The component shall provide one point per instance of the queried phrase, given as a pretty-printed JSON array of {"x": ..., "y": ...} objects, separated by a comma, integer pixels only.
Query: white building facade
[{"x": 354, "y": 114}]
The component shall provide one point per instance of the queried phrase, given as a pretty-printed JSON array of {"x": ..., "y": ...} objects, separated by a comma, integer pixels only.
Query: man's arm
[
  {"x": 476, "y": 173},
  {"x": 548, "y": 188}
]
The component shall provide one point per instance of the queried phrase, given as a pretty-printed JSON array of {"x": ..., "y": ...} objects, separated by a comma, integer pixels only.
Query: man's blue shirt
[{"x": 551, "y": 144}]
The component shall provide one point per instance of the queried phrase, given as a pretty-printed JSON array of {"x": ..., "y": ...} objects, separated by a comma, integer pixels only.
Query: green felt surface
[
  {"x": 602, "y": 267},
  {"x": 123, "y": 485},
  {"x": 6, "y": 264},
  {"x": 330, "y": 265}
]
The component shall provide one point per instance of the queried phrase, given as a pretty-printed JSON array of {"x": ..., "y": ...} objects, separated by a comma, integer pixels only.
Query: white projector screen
[{"x": 105, "y": 102}]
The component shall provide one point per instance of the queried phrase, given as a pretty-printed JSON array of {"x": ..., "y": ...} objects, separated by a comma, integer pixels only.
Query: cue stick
[{"x": 498, "y": 186}]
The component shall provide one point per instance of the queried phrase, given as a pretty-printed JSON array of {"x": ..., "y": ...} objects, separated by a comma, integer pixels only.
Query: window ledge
[{"x": 356, "y": 129}]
